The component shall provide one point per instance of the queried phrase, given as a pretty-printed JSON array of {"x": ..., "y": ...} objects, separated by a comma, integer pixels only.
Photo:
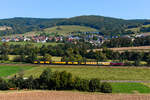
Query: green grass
[
  {"x": 12, "y": 57},
  {"x": 6, "y": 70},
  {"x": 36, "y": 44},
  {"x": 106, "y": 73},
  {"x": 66, "y": 29},
  {"x": 130, "y": 88},
  {"x": 86, "y": 72},
  {"x": 56, "y": 58},
  {"x": 137, "y": 29}
]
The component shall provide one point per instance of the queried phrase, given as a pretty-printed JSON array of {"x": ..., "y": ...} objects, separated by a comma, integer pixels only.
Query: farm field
[
  {"x": 54, "y": 58},
  {"x": 6, "y": 70},
  {"x": 130, "y": 88},
  {"x": 87, "y": 72},
  {"x": 67, "y": 95},
  {"x": 122, "y": 49},
  {"x": 67, "y": 29},
  {"x": 36, "y": 44},
  {"x": 136, "y": 30},
  {"x": 61, "y": 30}
]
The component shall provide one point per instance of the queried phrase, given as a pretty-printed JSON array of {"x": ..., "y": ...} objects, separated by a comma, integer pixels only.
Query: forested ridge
[
  {"x": 106, "y": 25},
  {"x": 22, "y": 25}
]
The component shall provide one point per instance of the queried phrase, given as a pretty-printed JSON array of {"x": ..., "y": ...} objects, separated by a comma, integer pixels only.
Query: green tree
[
  {"x": 3, "y": 84},
  {"x": 31, "y": 57},
  {"x": 106, "y": 87},
  {"x": 47, "y": 57},
  {"x": 4, "y": 51},
  {"x": 29, "y": 83},
  {"x": 45, "y": 77},
  {"x": 148, "y": 59},
  {"x": 100, "y": 56},
  {"x": 94, "y": 85}
]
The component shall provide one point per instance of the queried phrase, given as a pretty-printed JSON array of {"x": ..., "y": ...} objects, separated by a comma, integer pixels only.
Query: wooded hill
[
  {"x": 106, "y": 25},
  {"x": 23, "y": 25}
]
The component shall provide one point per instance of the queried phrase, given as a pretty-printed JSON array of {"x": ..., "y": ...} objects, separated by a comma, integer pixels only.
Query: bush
[
  {"x": 20, "y": 58},
  {"x": 106, "y": 88},
  {"x": 81, "y": 84},
  {"x": 44, "y": 79},
  {"x": 29, "y": 83},
  {"x": 62, "y": 81},
  {"x": 3, "y": 84},
  {"x": 128, "y": 63},
  {"x": 57, "y": 81},
  {"x": 47, "y": 57},
  {"x": 94, "y": 85},
  {"x": 4, "y": 57},
  {"x": 137, "y": 63}
]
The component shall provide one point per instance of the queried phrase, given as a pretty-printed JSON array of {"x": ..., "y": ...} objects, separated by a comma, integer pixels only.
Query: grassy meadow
[
  {"x": 6, "y": 70},
  {"x": 103, "y": 73},
  {"x": 137, "y": 29},
  {"x": 67, "y": 29},
  {"x": 130, "y": 88},
  {"x": 88, "y": 72},
  {"x": 36, "y": 44}
]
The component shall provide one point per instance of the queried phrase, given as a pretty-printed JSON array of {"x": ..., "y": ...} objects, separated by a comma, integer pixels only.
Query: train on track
[{"x": 80, "y": 63}]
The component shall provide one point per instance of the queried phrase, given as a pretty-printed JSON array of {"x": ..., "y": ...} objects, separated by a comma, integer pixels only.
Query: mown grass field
[
  {"x": 130, "y": 88},
  {"x": 12, "y": 57},
  {"x": 103, "y": 73},
  {"x": 88, "y": 72},
  {"x": 36, "y": 44},
  {"x": 134, "y": 49},
  {"x": 136, "y": 30},
  {"x": 67, "y": 29},
  {"x": 6, "y": 70},
  {"x": 63, "y": 30}
]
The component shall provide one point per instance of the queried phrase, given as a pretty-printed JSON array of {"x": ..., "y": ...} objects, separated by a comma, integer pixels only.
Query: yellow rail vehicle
[
  {"x": 82, "y": 63},
  {"x": 60, "y": 63},
  {"x": 91, "y": 63},
  {"x": 47, "y": 62},
  {"x": 42, "y": 62},
  {"x": 35, "y": 62},
  {"x": 104, "y": 63},
  {"x": 77, "y": 63}
]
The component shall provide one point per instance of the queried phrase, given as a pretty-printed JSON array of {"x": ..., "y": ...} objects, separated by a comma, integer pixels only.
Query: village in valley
[
  {"x": 90, "y": 37},
  {"x": 94, "y": 38}
]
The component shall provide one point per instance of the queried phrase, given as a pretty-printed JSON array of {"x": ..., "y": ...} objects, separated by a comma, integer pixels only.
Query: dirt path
[{"x": 60, "y": 95}]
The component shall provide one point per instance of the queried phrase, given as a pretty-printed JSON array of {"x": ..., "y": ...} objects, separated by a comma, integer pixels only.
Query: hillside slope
[
  {"x": 23, "y": 25},
  {"x": 68, "y": 29},
  {"x": 106, "y": 25}
]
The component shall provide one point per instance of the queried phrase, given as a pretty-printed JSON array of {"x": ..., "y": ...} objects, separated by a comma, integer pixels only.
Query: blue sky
[{"x": 127, "y": 9}]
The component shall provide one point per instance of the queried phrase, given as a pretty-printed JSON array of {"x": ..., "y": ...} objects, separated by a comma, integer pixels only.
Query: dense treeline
[
  {"x": 29, "y": 52},
  {"x": 105, "y": 25},
  {"x": 145, "y": 29},
  {"x": 127, "y": 42},
  {"x": 49, "y": 80},
  {"x": 23, "y": 25},
  {"x": 125, "y": 57},
  {"x": 69, "y": 52}
]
